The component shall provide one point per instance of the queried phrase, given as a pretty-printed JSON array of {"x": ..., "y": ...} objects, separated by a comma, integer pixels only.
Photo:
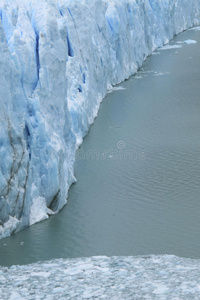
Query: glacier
[
  {"x": 58, "y": 59},
  {"x": 118, "y": 278}
]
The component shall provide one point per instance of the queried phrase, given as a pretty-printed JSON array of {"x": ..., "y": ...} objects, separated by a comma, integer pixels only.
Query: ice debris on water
[{"x": 117, "y": 278}]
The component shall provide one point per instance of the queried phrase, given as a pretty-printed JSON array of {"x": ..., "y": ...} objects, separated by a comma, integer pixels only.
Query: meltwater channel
[{"x": 138, "y": 170}]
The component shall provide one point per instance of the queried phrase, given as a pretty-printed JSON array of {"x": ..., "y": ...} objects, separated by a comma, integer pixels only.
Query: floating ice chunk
[
  {"x": 195, "y": 28},
  {"x": 119, "y": 88},
  {"x": 187, "y": 42},
  {"x": 116, "y": 88},
  {"x": 190, "y": 42},
  {"x": 170, "y": 47},
  {"x": 15, "y": 296},
  {"x": 161, "y": 74},
  {"x": 40, "y": 274},
  {"x": 160, "y": 290},
  {"x": 138, "y": 77}
]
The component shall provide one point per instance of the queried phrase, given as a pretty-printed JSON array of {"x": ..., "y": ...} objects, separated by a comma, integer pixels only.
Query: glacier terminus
[{"x": 58, "y": 59}]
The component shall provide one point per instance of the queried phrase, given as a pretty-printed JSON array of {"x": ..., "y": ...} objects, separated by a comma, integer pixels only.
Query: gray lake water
[{"x": 138, "y": 171}]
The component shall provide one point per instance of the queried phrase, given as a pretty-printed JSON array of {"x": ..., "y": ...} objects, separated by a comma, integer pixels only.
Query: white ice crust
[
  {"x": 116, "y": 278},
  {"x": 57, "y": 61}
]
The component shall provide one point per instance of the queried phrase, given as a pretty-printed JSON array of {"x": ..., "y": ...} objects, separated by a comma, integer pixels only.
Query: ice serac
[{"x": 57, "y": 61}]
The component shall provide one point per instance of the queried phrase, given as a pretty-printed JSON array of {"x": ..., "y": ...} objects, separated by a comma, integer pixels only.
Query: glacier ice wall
[{"x": 58, "y": 58}]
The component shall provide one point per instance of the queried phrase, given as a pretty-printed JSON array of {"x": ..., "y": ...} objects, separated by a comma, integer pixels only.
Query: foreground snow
[
  {"x": 58, "y": 59},
  {"x": 116, "y": 278}
]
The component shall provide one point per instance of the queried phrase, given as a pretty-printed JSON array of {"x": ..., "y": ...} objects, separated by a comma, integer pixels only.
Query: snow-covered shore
[{"x": 58, "y": 59}]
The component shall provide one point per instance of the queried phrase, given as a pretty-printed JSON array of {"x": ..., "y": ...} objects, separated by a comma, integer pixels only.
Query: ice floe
[{"x": 116, "y": 278}]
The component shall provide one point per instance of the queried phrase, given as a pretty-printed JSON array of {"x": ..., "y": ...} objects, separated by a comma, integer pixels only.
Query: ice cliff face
[{"x": 58, "y": 58}]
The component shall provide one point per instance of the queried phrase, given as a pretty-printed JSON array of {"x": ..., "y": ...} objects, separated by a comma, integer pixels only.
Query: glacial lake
[{"x": 138, "y": 171}]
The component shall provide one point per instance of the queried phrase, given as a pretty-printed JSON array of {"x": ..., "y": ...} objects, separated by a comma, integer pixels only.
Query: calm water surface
[{"x": 138, "y": 171}]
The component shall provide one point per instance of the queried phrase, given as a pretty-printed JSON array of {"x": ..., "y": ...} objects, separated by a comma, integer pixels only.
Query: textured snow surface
[
  {"x": 58, "y": 59},
  {"x": 116, "y": 278}
]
